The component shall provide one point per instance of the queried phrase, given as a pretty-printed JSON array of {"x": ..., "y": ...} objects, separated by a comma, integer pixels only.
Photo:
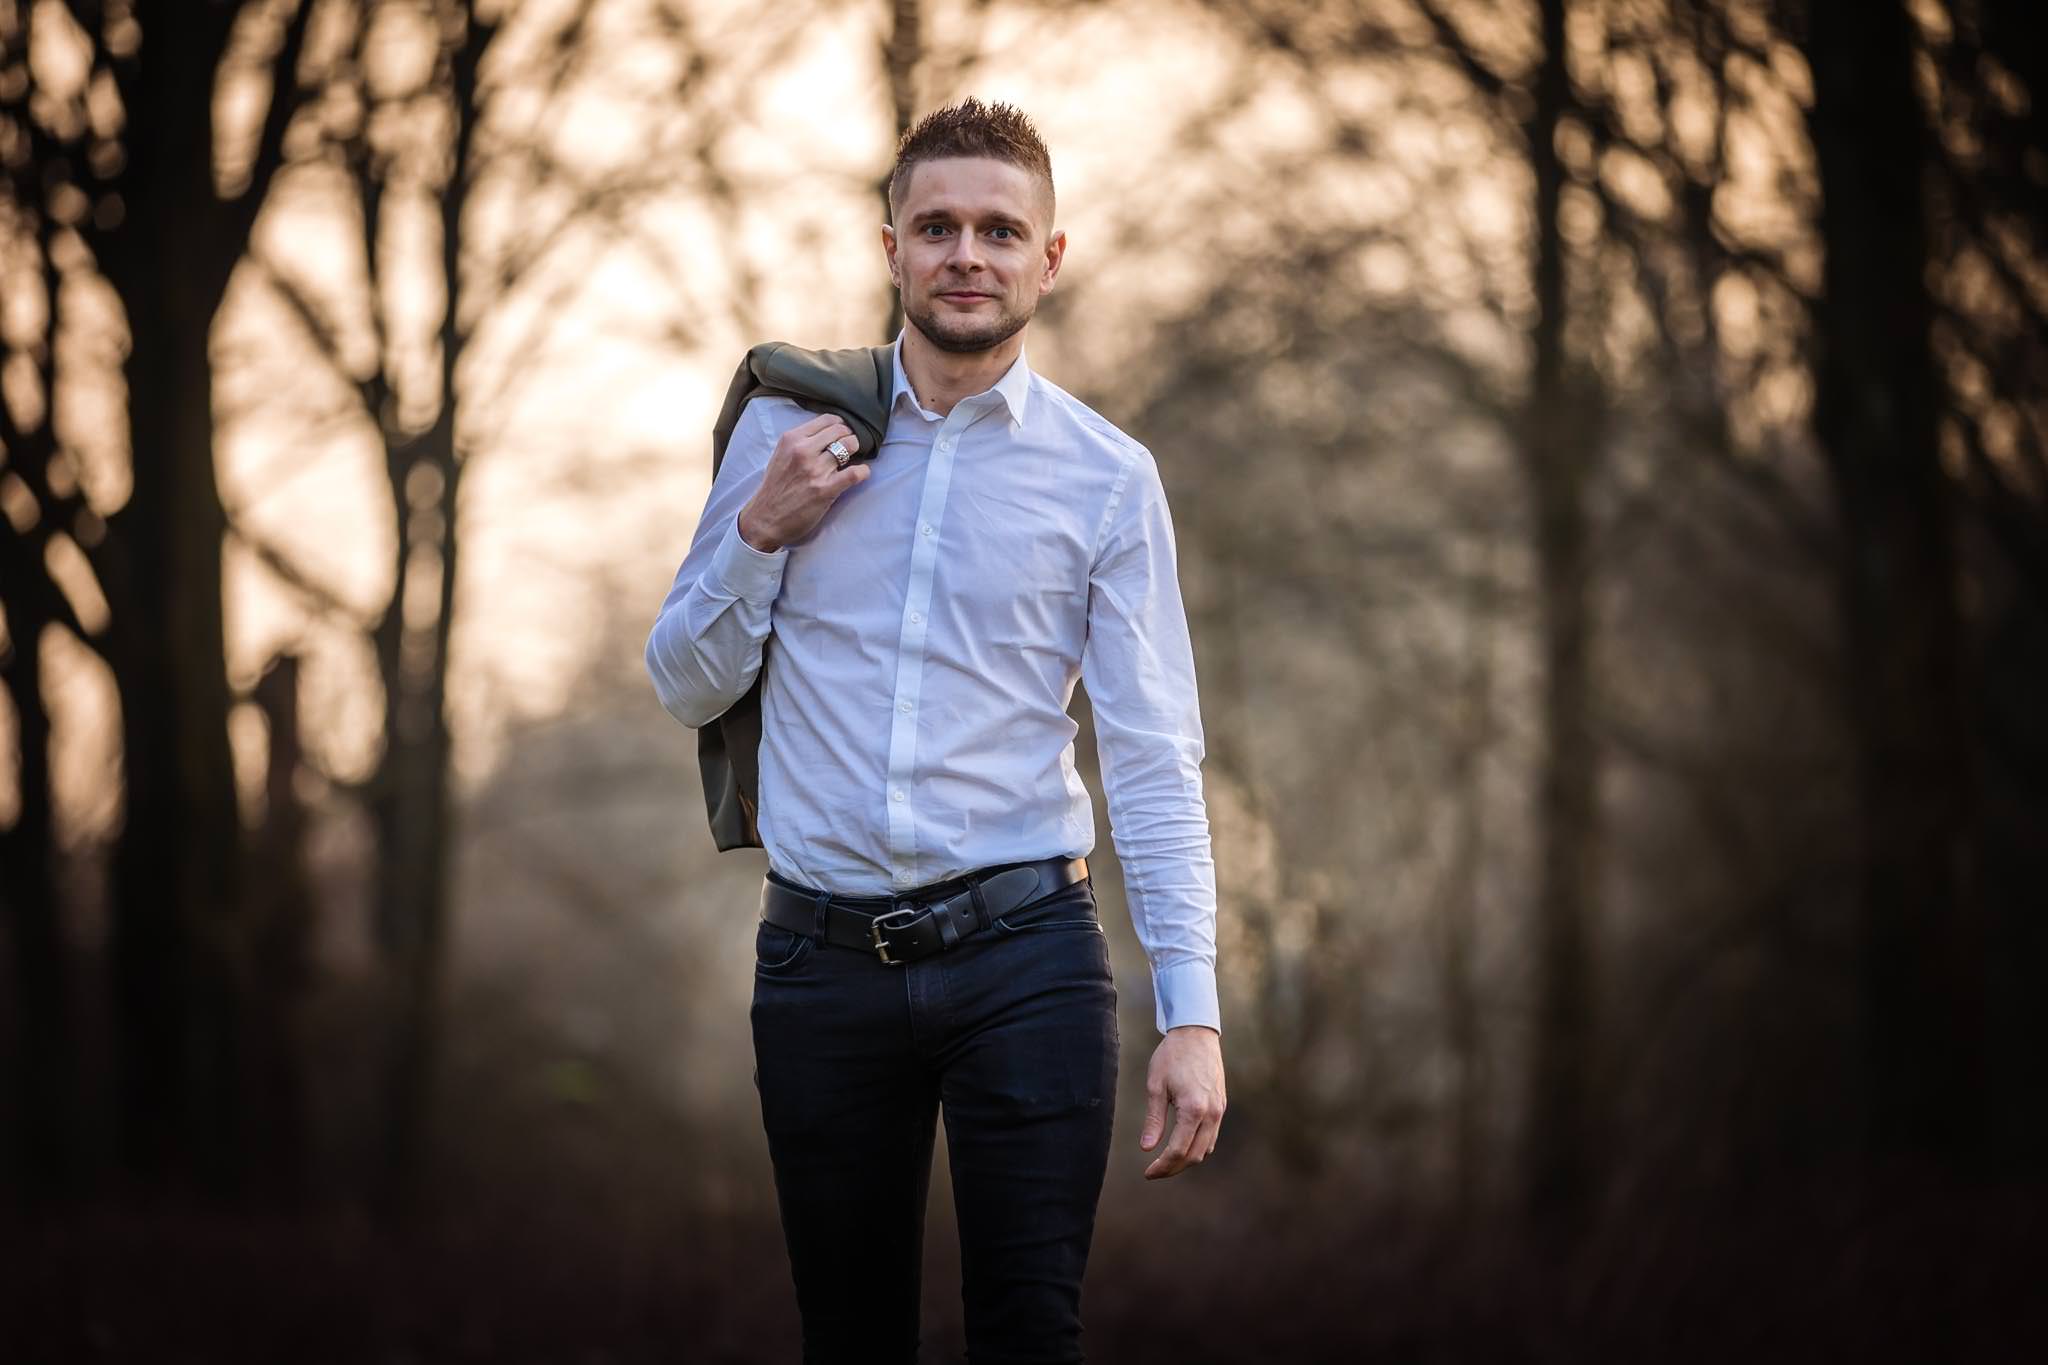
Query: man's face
[{"x": 972, "y": 250}]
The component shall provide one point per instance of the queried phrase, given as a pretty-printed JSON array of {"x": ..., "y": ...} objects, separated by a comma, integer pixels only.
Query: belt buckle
[{"x": 889, "y": 919}]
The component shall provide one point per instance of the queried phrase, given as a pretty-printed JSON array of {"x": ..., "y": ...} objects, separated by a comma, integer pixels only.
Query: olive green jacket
[{"x": 854, "y": 386}]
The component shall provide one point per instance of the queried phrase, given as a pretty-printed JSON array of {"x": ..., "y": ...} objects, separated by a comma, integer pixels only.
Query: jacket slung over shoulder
[{"x": 854, "y": 386}]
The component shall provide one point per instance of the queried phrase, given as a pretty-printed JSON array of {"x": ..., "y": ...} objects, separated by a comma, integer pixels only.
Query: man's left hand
[{"x": 1186, "y": 1072}]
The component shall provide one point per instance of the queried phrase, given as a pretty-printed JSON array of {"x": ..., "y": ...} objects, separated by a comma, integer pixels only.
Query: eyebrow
[{"x": 994, "y": 218}]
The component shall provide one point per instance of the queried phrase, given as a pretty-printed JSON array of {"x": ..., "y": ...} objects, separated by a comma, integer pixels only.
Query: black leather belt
[{"x": 900, "y": 929}]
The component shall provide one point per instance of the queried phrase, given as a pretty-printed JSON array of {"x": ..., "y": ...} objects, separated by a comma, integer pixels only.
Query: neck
[{"x": 942, "y": 378}]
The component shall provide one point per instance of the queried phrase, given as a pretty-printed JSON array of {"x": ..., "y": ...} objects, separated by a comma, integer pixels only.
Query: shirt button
[
  {"x": 904, "y": 877},
  {"x": 896, "y": 795},
  {"x": 927, "y": 528},
  {"x": 904, "y": 708},
  {"x": 917, "y": 618},
  {"x": 946, "y": 444}
]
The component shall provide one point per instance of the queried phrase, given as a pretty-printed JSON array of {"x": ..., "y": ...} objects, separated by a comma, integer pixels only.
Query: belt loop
[
  {"x": 981, "y": 918},
  {"x": 824, "y": 899}
]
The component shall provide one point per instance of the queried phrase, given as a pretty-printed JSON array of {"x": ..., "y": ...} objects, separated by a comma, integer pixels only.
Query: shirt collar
[{"x": 1014, "y": 388}]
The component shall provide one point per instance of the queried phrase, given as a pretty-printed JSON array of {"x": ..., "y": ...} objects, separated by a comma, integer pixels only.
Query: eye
[
  {"x": 934, "y": 229},
  {"x": 1003, "y": 234}
]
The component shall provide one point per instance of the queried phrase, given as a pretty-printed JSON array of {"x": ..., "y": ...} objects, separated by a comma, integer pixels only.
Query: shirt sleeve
[
  {"x": 1139, "y": 667},
  {"x": 705, "y": 649}
]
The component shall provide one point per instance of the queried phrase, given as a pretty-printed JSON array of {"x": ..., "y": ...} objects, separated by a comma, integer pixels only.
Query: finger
[
  {"x": 843, "y": 479},
  {"x": 1201, "y": 1144},
  {"x": 822, "y": 445},
  {"x": 811, "y": 438},
  {"x": 1200, "y": 1135},
  {"x": 1155, "y": 1120},
  {"x": 1170, "y": 1161}
]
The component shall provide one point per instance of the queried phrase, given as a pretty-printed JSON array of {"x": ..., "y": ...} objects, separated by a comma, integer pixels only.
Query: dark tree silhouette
[
  {"x": 37, "y": 512},
  {"x": 178, "y": 888},
  {"x": 1877, "y": 417}
]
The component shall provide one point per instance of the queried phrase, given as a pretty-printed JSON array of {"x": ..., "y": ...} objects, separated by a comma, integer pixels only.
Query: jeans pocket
[
  {"x": 778, "y": 950},
  {"x": 1072, "y": 908}
]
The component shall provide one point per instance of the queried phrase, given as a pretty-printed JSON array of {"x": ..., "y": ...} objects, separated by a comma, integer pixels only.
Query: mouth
[{"x": 964, "y": 296}]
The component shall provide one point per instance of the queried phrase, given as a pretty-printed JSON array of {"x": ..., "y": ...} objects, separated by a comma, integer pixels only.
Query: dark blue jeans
[{"x": 1014, "y": 1033}]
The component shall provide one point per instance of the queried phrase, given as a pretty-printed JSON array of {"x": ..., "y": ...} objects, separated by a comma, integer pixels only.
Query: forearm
[
  {"x": 1139, "y": 666},
  {"x": 1161, "y": 829},
  {"x": 704, "y": 651}
]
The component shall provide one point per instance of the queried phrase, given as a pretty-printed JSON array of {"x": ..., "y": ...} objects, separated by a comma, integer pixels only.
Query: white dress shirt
[{"x": 927, "y": 639}]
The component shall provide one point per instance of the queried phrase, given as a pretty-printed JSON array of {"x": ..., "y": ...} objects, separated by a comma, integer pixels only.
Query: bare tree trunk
[
  {"x": 280, "y": 907},
  {"x": 1556, "y": 450},
  {"x": 1876, "y": 415},
  {"x": 33, "y": 603},
  {"x": 28, "y": 907},
  {"x": 902, "y": 54},
  {"x": 175, "y": 882},
  {"x": 413, "y": 781},
  {"x": 1458, "y": 912},
  {"x": 180, "y": 969}
]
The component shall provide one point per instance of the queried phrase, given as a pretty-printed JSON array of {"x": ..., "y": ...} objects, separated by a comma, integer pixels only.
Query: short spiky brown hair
[{"x": 1000, "y": 132}]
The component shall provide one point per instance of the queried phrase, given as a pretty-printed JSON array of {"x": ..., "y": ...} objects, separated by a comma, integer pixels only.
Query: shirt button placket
[{"x": 910, "y": 656}]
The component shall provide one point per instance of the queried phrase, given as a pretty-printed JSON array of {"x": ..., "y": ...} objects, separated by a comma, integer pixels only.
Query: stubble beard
[{"x": 967, "y": 335}]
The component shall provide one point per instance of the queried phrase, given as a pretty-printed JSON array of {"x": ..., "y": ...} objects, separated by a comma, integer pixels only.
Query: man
[{"x": 929, "y": 936}]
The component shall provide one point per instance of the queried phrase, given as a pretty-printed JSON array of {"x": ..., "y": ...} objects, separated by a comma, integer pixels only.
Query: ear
[
  {"x": 889, "y": 254},
  {"x": 1055, "y": 252}
]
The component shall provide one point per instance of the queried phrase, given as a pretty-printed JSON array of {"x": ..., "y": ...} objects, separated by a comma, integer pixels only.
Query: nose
[{"x": 966, "y": 253}]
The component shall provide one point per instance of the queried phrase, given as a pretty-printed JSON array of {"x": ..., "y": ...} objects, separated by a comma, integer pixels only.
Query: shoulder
[{"x": 1067, "y": 415}]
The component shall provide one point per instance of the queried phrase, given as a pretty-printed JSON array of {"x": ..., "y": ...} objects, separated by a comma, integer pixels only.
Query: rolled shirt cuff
[
  {"x": 747, "y": 573},
  {"x": 1185, "y": 993}
]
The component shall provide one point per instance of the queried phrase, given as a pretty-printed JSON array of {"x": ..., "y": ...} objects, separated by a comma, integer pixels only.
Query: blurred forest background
[{"x": 1608, "y": 441}]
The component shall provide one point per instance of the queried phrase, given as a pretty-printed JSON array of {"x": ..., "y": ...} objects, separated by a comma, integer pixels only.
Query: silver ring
[{"x": 839, "y": 453}]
